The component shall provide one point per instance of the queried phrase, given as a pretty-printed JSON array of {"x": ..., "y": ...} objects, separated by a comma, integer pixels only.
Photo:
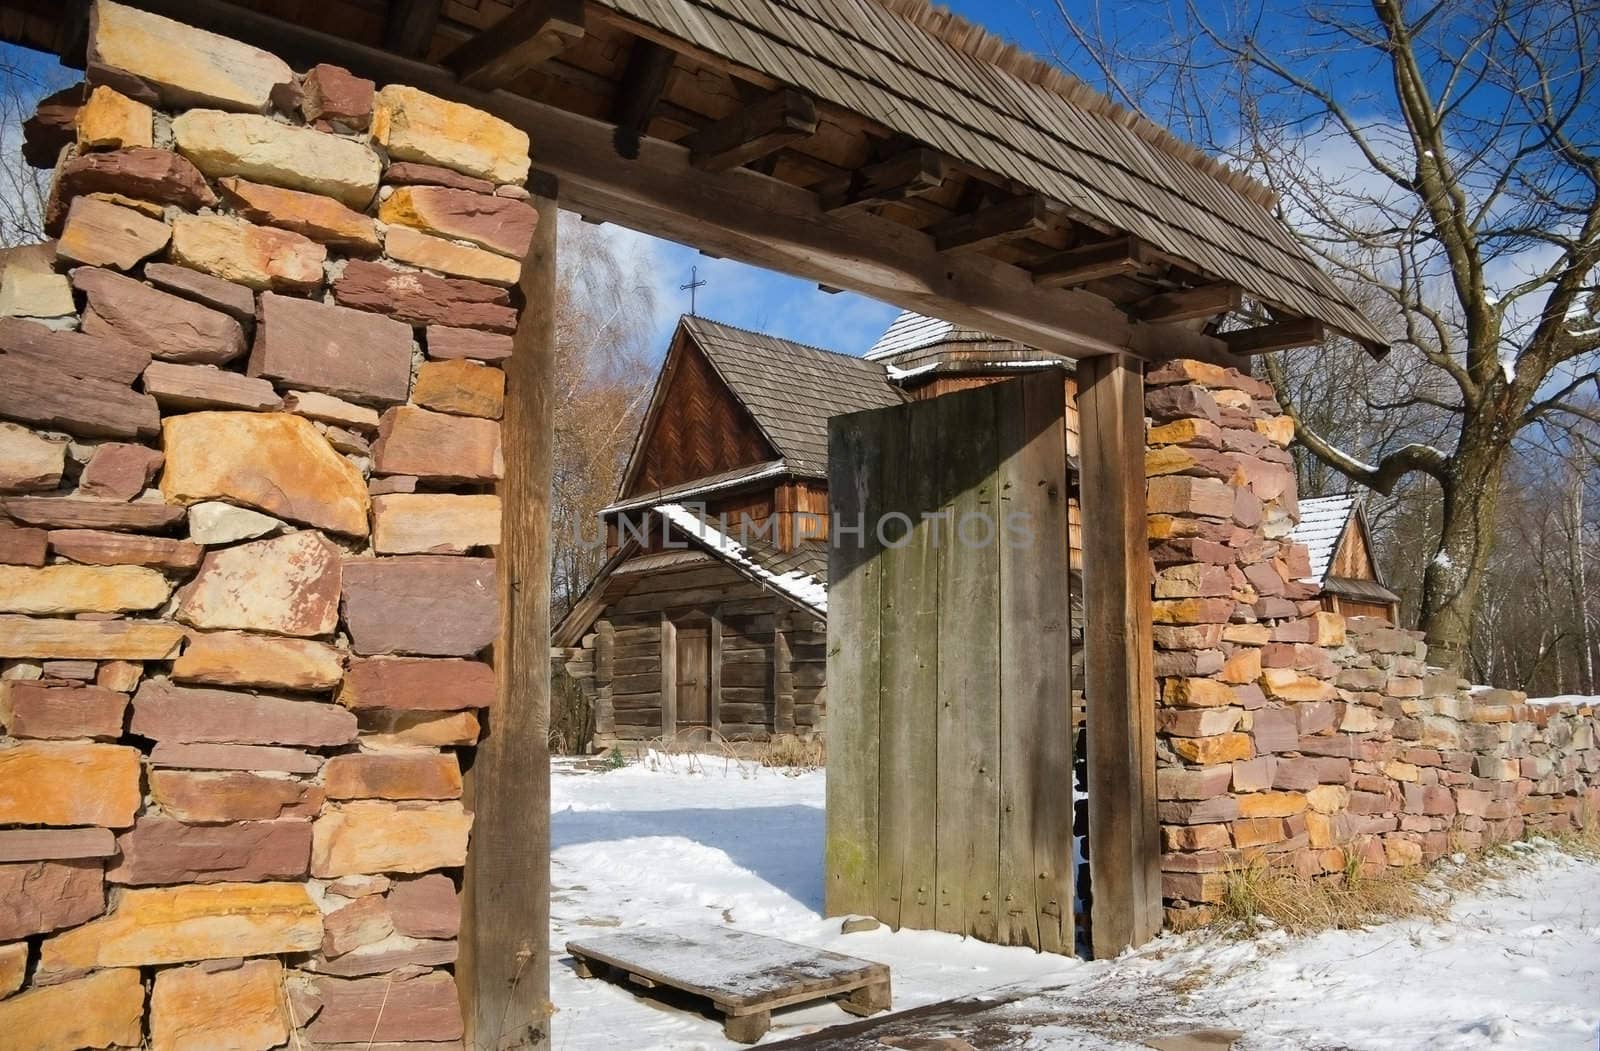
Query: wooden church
[{"x": 708, "y": 619}]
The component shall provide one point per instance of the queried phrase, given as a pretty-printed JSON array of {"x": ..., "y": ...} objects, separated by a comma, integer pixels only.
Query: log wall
[{"x": 768, "y": 663}]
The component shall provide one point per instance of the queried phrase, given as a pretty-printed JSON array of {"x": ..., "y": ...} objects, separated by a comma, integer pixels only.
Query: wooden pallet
[{"x": 745, "y": 976}]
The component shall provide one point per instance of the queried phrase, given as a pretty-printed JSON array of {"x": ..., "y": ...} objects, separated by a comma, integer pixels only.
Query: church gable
[{"x": 696, "y": 427}]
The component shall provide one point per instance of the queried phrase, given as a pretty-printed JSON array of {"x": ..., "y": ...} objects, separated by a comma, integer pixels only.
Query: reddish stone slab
[
  {"x": 287, "y": 585},
  {"x": 73, "y": 382},
  {"x": 41, "y": 896},
  {"x": 194, "y": 388},
  {"x": 417, "y": 684},
  {"x": 169, "y": 327},
  {"x": 308, "y": 345},
  {"x": 73, "y": 353},
  {"x": 160, "y": 850},
  {"x": 233, "y": 757},
  {"x": 446, "y": 343},
  {"x": 428, "y": 444},
  {"x": 424, "y": 299},
  {"x": 395, "y": 1007},
  {"x": 337, "y": 96},
  {"x": 184, "y": 715},
  {"x": 414, "y": 173},
  {"x": 497, "y": 223},
  {"x": 118, "y": 471},
  {"x": 55, "y": 844},
  {"x": 198, "y": 797},
  {"x": 148, "y": 174},
  {"x": 95, "y": 547},
  {"x": 53, "y": 125},
  {"x": 237, "y": 301},
  {"x": 425, "y": 907},
  {"x": 374, "y": 775},
  {"x": 66, "y": 512},
  {"x": 362, "y": 922},
  {"x": 22, "y": 547},
  {"x": 99, "y": 233},
  {"x": 429, "y": 605},
  {"x": 30, "y": 709},
  {"x": 392, "y": 954}
]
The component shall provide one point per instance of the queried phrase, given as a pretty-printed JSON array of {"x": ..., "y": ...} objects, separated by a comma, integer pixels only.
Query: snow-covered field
[{"x": 682, "y": 840}]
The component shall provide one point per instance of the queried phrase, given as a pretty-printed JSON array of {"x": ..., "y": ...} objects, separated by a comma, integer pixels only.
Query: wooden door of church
[
  {"x": 694, "y": 677},
  {"x": 949, "y": 789}
]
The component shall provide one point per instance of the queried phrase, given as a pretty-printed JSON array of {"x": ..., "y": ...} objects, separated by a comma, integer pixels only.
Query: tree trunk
[{"x": 1466, "y": 540}]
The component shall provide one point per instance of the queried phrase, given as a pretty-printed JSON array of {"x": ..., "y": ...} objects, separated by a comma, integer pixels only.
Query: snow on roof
[
  {"x": 1322, "y": 521},
  {"x": 801, "y": 586},
  {"x": 909, "y": 331}
]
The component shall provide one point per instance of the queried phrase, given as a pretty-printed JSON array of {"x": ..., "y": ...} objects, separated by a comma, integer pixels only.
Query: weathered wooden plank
[
  {"x": 907, "y": 810},
  {"x": 504, "y": 968},
  {"x": 1189, "y": 303},
  {"x": 669, "y": 677},
  {"x": 753, "y": 131},
  {"x": 1035, "y": 730},
  {"x": 1093, "y": 262},
  {"x": 968, "y": 690},
  {"x": 852, "y": 720},
  {"x": 1124, "y": 839},
  {"x": 714, "y": 635},
  {"x": 782, "y": 679},
  {"x": 996, "y": 224},
  {"x": 532, "y": 33},
  {"x": 1281, "y": 335}
]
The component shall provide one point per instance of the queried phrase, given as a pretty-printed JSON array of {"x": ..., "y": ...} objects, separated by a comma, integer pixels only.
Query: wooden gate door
[
  {"x": 694, "y": 677},
  {"x": 949, "y": 727}
]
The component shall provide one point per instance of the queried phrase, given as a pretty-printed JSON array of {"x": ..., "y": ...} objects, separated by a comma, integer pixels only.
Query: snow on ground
[{"x": 683, "y": 840}]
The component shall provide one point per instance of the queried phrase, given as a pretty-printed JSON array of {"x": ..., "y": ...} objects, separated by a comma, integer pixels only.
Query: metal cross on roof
[{"x": 695, "y": 284}]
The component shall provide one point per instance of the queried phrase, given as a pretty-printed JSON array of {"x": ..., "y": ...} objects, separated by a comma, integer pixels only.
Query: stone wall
[
  {"x": 249, "y": 443},
  {"x": 1286, "y": 734}
]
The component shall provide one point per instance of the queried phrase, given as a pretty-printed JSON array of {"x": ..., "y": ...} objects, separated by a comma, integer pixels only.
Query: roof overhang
[{"x": 864, "y": 194}]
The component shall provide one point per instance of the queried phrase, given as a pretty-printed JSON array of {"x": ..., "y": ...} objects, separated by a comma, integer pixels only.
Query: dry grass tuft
[
  {"x": 1264, "y": 896},
  {"x": 795, "y": 754}
]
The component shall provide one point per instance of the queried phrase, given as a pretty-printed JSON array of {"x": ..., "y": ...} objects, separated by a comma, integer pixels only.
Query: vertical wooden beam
[
  {"x": 1124, "y": 838},
  {"x": 605, "y": 648},
  {"x": 669, "y": 678},
  {"x": 850, "y": 862},
  {"x": 782, "y": 676},
  {"x": 714, "y": 699},
  {"x": 504, "y": 970},
  {"x": 410, "y": 26}
]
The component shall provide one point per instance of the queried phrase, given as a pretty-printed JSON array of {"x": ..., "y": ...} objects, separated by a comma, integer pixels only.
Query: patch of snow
[
  {"x": 1576, "y": 699},
  {"x": 905, "y": 374},
  {"x": 1443, "y": 560},
  {"x": 802, "y": 586},
  {"x": 707, "y": 841},
  {"x": 1508, "y": 367}
]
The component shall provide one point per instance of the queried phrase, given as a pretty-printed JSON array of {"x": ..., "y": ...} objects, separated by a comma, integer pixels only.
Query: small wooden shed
[{"x": 1343, "y": 563}]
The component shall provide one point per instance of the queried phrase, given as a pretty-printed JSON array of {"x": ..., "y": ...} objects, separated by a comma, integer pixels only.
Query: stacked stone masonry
[
  {"x": 1287, "y": 736},
  {"x": 249, "y": 440}
]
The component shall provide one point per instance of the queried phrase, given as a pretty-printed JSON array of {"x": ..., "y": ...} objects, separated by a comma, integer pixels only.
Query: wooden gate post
[
  {"x": 1119, "y": 676},
  {"x": 504, "y": 969}
]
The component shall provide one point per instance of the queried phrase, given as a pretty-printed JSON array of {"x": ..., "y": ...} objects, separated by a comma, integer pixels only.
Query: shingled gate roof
[
  {"x": 1061, "y": 140},
  {"x": 791, "y": 389}
]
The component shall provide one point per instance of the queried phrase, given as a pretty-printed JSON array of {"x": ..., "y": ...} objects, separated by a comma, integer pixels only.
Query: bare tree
[
  {"x": 1442, "y": 159},
  {"x": 603, "y": 324}
]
